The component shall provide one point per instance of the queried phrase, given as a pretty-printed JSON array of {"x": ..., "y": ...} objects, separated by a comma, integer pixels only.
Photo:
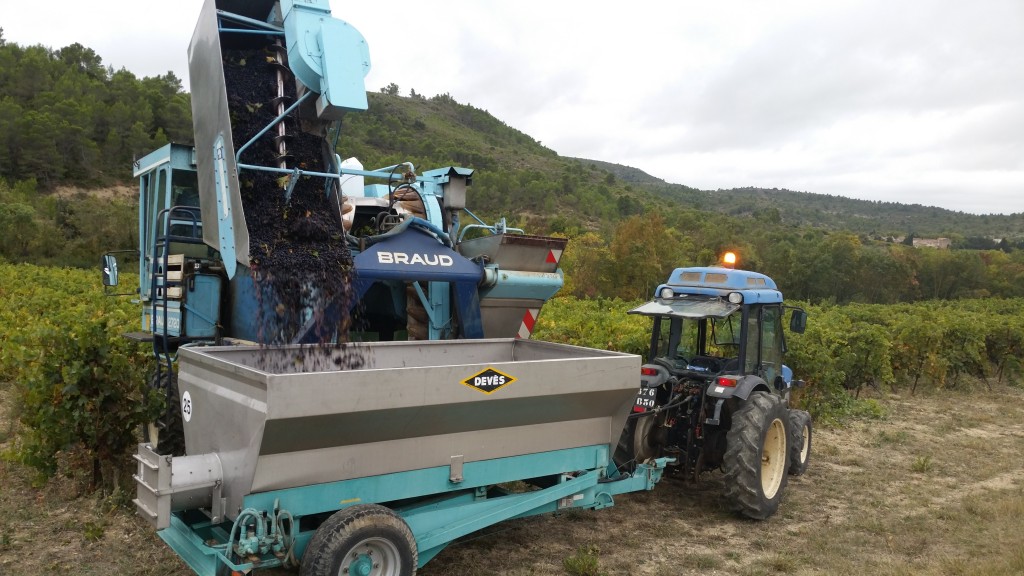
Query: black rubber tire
[
  {"x": 801, "y": 432},
  {"x": 645, "y": 440},
  {"x": 167, "y": 433},
  {"x": 757, "y": 456},
  {"x": 358, "y": 534}
]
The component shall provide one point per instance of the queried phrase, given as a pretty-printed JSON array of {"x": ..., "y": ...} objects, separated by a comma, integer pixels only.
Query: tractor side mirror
[
  {"x": 798, "y": 321},
  {"x": 109, "y": 264}
]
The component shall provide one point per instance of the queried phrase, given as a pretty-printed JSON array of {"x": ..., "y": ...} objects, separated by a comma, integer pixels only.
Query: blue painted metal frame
[
  {"x": 427, "y": 482},
  {"x": 436, "y": 509},
  {"x": 532, "y": 285}
]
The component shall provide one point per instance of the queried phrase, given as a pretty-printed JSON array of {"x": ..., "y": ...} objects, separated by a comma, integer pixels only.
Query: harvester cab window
[
  {"x": 185, "y": 193},
  {"x": 185, "y": 189},
  {"x": 153, "y": 195}
]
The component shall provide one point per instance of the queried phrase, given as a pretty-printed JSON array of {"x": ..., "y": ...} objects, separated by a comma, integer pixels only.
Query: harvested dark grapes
[{"x": 298, "y": 255}]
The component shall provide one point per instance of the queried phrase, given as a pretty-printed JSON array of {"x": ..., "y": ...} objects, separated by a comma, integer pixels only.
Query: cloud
[{"x": 918, "y": 101}]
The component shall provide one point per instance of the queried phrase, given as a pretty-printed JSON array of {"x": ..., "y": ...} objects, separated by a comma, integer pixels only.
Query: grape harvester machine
[{"x": 452, "y": 420}]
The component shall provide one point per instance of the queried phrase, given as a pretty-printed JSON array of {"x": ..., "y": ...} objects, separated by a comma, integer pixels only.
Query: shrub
[{"x": 79, "y": 383}]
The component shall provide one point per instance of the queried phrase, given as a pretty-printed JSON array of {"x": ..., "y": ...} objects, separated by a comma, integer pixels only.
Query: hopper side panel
[
  {"x": 304, "y": 395},
  {"x": 294, "y": 469},
  {"x": 228, "y": 415},
  {"x": 364, "y": 427}
]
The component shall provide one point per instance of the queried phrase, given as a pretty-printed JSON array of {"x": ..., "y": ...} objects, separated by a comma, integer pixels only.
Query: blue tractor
[
  {"x": 261, "y": 233},
  {"x": 714, "y": 393}
]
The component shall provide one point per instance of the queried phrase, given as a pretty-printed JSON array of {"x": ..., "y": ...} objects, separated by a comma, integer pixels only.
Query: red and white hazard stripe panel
[
  {"x": 553, "y": 256},
  {"x": 529, "y": 319}
]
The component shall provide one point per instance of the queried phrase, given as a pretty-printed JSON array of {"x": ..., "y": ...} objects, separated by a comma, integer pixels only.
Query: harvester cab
[{"x": 714, "y": 391}]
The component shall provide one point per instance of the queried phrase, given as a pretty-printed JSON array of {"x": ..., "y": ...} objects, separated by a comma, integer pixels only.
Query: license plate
[{"x": 646, "y": 399}]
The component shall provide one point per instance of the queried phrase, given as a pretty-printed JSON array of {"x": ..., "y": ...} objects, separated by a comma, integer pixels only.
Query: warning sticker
[{"x": 489, "y": 380}]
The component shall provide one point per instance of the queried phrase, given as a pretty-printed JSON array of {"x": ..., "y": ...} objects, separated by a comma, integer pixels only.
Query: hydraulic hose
[
  {"x": 239, "y": 521},
  {"x": 660, "y": 409}
]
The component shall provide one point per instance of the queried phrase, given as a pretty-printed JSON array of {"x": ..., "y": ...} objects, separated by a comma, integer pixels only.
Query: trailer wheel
[
  {"x": 756, "y": 456},
  {"x": 364, "y": 540},
  {"x": 166, "y": 434},
  {"x": 801, "y": 430}
]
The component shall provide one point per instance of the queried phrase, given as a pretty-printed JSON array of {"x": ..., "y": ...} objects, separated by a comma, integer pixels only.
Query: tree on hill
[{"x": 65, "y": 118}]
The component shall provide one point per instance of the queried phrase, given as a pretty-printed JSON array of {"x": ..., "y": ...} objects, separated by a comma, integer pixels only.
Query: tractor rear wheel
[
  {"x": 646, "y": 438},
  {"x": 757, "y": 456},
  {"x": 800, "y": 433},
  {"x": 368, "y": 539},
  {"x": 642, "y": 439}
]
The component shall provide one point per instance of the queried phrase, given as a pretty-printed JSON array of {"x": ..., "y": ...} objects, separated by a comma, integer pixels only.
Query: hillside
[
  {"x": 518, "y": 174},
  {"x": 70, "y": 124},
  {"x": 67, "y": 120},
  {"x": 515, "y": 175},
  {"x": 880, "y": 219},
  {"x": 839, "y": 213}
]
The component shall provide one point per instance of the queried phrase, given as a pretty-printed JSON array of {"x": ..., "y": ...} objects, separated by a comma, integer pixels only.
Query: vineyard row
[{"x": 79, "y": 386}]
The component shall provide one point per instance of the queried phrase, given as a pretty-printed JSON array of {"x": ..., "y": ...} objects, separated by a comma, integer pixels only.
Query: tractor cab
[{"x": 718, "y": 322}]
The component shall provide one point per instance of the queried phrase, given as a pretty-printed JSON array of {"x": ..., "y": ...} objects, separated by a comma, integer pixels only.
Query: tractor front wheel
[
  {"x": 757, "y": 456},
  {"x": 801, "y": 431}
]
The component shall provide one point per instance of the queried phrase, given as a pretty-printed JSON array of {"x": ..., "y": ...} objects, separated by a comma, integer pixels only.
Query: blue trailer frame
[{"x": 438, "y": 506}]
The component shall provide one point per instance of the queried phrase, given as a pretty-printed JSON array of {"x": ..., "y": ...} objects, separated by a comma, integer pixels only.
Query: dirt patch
[
  {"x": 108, "y": 193},
  {"x": 929, "y": 489},
  {"x": 900, "y": 495}
]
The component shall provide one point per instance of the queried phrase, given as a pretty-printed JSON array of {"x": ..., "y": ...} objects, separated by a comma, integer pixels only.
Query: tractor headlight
[
  {"x": 735, "y": 298},
  {"x": 666, "y": 293}
]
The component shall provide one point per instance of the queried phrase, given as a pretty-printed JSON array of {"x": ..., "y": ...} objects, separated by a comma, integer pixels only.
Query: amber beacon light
[{"x": 729, "y": 259}]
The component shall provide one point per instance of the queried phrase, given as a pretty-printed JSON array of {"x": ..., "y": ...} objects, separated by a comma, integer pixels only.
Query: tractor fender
[
  {"x": 653, "y": 375},
  {"x": 744, "y": 386}
]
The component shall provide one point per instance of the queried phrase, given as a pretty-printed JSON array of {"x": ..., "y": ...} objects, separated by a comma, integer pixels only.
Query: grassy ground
[{"x": 935, "y": 487}]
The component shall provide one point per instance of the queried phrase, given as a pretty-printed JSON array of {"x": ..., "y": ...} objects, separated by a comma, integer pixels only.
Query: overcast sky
[{"x": 915, "y": 101}]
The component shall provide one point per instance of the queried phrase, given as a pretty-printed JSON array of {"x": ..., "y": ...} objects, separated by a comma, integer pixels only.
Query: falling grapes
[{"x": 299, "y": 258}]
